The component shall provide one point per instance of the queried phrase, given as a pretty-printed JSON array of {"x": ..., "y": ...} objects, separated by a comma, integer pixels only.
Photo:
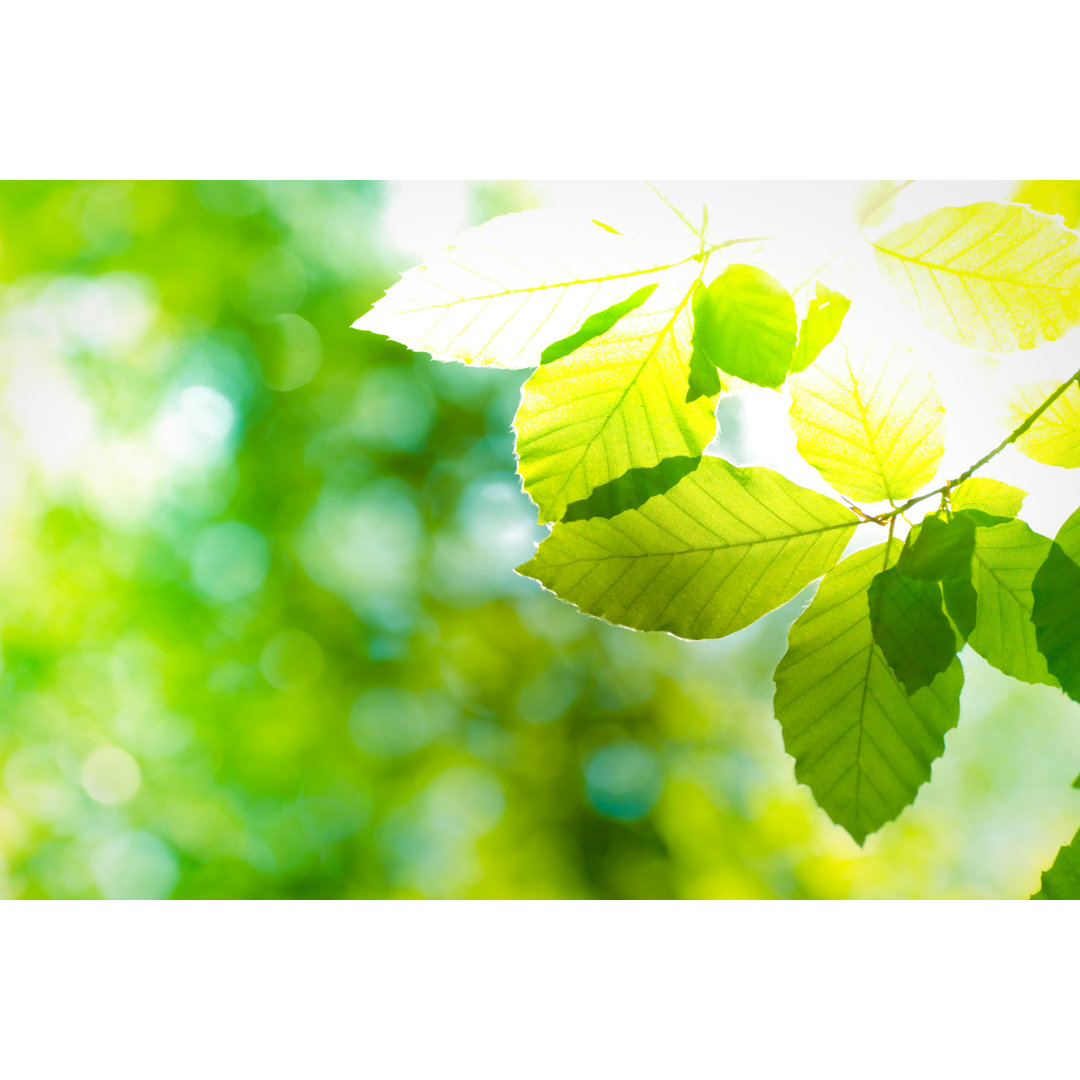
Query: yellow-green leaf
[
  {"x": 504, "y": 291},
  {"x": 704, "y": 559},
  {"x": 992, "y": 276},
  {"x": 614, "y": 404},
  {"x": 1054, "y": 439},
  {"x": 869, "y": 419},
  {"x": 988, "y": 495},
  {"x": 822, "y": 322}
]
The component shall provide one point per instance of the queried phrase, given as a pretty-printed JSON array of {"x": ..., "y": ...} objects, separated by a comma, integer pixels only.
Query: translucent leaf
[
  {"x": 595, "y": 325},
  {"x": 706, "y": 558},
  {"x": 1062, "y": 880},
  {"x": 745, "y": 325},
  {"x": 910, "y": 627},
  {"x": 1054, "y": 439},
  {"x": 1004, "y": 564},
  {"x": 940, "y": 548},
  {"x": 961, "y": 604},
  {"x": 613, "y": 405},
  {"x": 992, "y": 276},
  {"x": 990, "y": 496},
  {"x": 820, "y": 325},
  {"x": 861, "y": 744},
  {"x": 502, "y": 292},
  {"x": 870, "y": 421}
]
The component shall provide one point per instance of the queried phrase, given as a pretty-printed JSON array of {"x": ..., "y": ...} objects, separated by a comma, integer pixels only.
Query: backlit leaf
[
  {"x": 1004, "y": 564},
  {"x": 595, "y": 325},
  {"x": 1062, "y": 880},
  {"x": 744, "y": 324},
  {"x": 1054, "y": 439},
  {"x": 940, "y": 548},
  {"x": 861, "y": 744},
  {"x": 988, "y": 495},
  {"x": 708, "y": 557},
  {"x": 614, "y": 404},
  {"x": 1056, "y": 604},
  {"x": 993, "y": 276},
  {"x": 820, "y": 325},
  {"x": 502, "y": 292},
  {"x": 870, "y": 420},
  {"x": 631, "y": 490}
]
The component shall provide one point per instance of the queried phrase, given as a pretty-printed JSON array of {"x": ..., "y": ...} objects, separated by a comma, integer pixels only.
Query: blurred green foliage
[{"x": 262, "y": 637}]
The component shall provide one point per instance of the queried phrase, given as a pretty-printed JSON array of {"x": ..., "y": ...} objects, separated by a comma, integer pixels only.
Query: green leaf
[
  {"x": 1054, "y": 439},
  {"x": 869, "y": 420},
  {"x": 1004, "y": 564},
  {"x": 961, "y": 604},
  {"x": 706, "y": 558},
  {"x": 500, "y": 292},
  {"x": 940, "y": 548},
  {"x": 1056, "y": 615},
  {"x": 595, "y": 325},
  {"x": 1062, "y": 880},
  {"x": 704, "y": 374},
  {"x": 1068, "y": 537},
  {"x": 744, "y": 324},
  {"x": 910, "y": 627},
  {"x": 991, "y": 496},
  {"x": 821, "y": 324},
  {"x": 631, "y": 490},
  {"x": 993, "y": 276},
  {"x": 861, "y": 744},
  {"x": 614, "y": 404}
]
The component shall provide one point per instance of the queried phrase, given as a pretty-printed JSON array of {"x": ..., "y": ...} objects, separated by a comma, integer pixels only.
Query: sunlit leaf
[
  {"x": 910, "y": 627},
  {"x": 870, "y": 421},
  {"x": 745, "y": 325},
  {"x": 1062, "y": 880},
  {"x": 822, "y": 323},
  {"x": 504, "y": 291},
  {"x": 988, "y": 495},
  {"x": 708, "y": 557},
  {"x": 614, "y": 404},
  {"x": 595, "y": 325},
  {"x": 861, "y": 744},
  {"x": 993, "y": 276},
  {"x": 1054, "y": 439},
  {"x": 1005, "y": 562}
]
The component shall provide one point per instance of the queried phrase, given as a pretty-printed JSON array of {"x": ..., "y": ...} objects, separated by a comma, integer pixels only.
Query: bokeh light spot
[
  {"x": 624, "y": 780},
  {"x": 111, "y": 776},
  {"x": 229, "y": 561}
]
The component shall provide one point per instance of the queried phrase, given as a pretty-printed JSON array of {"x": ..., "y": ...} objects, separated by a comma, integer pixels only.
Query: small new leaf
[
  {"x": 745, "y": 325},
  {"x": 821, "y": 324},
  {"x": 718, "y": 550},
  {"x": 910, "y": 627},
  {"x": 993, "y": 276}
]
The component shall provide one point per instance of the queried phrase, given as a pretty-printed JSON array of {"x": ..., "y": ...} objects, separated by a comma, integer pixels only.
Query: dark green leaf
[
  {"x": 595, "y": 325},
  {"x": 745, "y": 324},
  {"x": 940, "y": 549},
  {"x": 631, "y": 490},
  {"x": 1062, "y": 880},
  {"x": 821, "y": 324},
  {"x": 1056, "y": 615},
  {"x": 961, "y": 604},
  {"x": 910, "y": 627}
]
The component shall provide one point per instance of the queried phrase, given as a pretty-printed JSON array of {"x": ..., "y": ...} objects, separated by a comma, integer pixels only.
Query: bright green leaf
[
  {"x": 1062, "y": 880},
  {"x": 993, "y": 276},
  {"x": 861, "y": 744},
  {"x": 631, "y": 490},
  {"x": 502, "y": 291},
  {"x": 991, "y": 496},
  {"x": 1054, "y": 439},
  {"x": 595, "y": 325},
  {"x": 870, "y": 421},
  {"x": 614, "y": 404},
  {"x": 745, "y": 325},
  {"x": 821, "y": 324},
  {"x": 706, "y": 558},
  {"x": 1005, "y": 562},
  {"x": 910, "y": 627}
]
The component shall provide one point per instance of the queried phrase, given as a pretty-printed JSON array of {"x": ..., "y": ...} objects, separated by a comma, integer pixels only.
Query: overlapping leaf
[
  {"x": 821, "y": 324},
  {"x": 504, "y": 291},
  {"x": 991, "y": 276},
  {"x": 861, "y": 744},
  {"x": 869, "y": 420},
  {"x": 1054, "y": 439},
  {"x": 615, "y": 404},
  {"x": 708, "y": 557},
  {"x": 1055, "y": 604},
  {"x": 1062, "y": 880}
]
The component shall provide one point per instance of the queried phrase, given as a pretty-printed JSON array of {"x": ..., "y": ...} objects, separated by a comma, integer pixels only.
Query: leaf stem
[{"x": 897, "y": 511}]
